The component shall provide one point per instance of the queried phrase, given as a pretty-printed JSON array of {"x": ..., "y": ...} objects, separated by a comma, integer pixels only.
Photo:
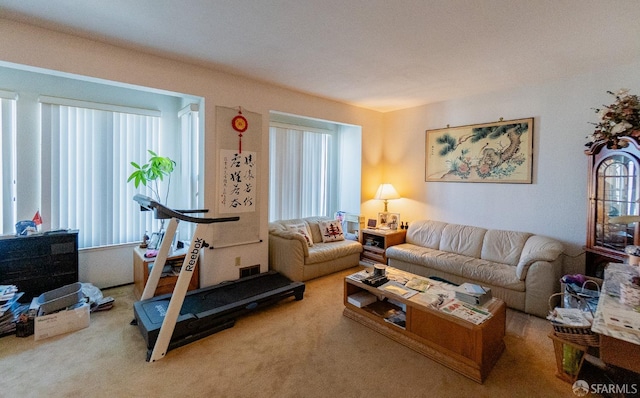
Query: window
[
  {"x": 302, "y": 176},
  {"x": 87, "y": 149},
  {"x": 314, "y": 167},
  {"x": 7, "y": 162}
]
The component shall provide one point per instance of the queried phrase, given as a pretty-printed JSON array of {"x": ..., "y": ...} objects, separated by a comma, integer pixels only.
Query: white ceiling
[{"x": 378, "y": 54}]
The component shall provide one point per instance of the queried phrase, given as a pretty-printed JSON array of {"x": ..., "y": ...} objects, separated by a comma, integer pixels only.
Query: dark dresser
[{"x": 39, "y": 263}]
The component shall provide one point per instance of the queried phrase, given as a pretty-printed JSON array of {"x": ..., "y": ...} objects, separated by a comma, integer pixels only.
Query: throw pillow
[
  {"x": 302, "y": 230},
  {"x": 331, "y": 231}
]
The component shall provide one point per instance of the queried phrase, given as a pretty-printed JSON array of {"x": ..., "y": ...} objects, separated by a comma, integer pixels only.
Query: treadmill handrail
[{"x": 163, "y": 212}]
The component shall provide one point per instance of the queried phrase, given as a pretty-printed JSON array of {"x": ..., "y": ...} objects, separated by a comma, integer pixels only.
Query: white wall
[
  {"x": 555, "y": 204},
  {"x": 28, "y": 45}
]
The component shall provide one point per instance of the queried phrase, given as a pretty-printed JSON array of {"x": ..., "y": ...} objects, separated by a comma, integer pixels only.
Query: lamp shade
[{"x": 386, "y": 192}]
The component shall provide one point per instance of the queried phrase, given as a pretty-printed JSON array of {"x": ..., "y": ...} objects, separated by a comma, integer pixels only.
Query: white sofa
[
  {"x": 521, "y": 268},
  {"x": 291, "y": 255}
]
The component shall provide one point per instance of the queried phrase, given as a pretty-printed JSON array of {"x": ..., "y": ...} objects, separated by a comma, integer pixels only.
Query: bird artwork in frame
[{"x": 499, "y": 152}]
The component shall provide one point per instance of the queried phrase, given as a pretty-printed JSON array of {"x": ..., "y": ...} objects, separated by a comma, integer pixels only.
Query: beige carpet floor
[{"x": 293, "y": 349}]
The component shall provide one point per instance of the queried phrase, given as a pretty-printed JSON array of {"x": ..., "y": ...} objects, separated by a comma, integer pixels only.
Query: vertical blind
[
  {"x": 85, "y": 165},
  {"x": 7, "y": 162},
  {"x": 299, "y": 175}
]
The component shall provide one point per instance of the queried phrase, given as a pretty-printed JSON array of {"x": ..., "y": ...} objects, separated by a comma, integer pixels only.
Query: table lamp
[{"x": 386, "y": 192}]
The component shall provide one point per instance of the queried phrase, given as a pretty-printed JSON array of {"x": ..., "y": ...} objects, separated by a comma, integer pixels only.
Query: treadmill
[{"x": 172, "y": 320}]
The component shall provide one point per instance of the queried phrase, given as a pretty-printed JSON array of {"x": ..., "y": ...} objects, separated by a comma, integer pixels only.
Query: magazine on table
[
  {"x": 359, "y": 276},
  {"x": 418, "y": 284},
  {"x": 398, "y": 289},
  {"x": 396, "y": 317},
  {"x": 466, "y": 311}
]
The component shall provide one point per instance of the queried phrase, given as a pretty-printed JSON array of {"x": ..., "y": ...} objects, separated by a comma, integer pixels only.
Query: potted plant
[
  {"x": 150, "y": 173},
  {"x": 620, "y": 119}
]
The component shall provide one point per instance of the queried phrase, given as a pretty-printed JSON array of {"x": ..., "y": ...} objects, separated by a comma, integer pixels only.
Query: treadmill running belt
[{"x": 230, "y": 293}]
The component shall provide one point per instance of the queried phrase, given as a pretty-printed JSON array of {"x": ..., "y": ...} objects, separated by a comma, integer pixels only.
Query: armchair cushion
[
  {"x": 331, "y": 231},
  {"x": 301, "y": 229}
]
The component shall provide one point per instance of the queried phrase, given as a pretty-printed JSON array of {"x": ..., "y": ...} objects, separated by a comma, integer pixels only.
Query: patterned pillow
[
  {"x": 331, "y": 231},
  {"x": 302, "y": 230}
]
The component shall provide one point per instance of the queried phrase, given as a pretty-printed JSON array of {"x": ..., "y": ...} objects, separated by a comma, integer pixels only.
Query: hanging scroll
[{"x": 237, "y": 175}]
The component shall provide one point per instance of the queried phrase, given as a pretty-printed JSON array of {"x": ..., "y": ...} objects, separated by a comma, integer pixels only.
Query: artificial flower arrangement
[{"x": 620, "y": 119}]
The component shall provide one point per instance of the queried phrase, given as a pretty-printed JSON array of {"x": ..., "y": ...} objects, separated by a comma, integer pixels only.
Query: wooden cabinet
[
  {"x": 375, "y": 243},
  {"x": 39, "y": 263},
  {"x": 142, "y": 268},
  {"x": 613, "y": 190}
]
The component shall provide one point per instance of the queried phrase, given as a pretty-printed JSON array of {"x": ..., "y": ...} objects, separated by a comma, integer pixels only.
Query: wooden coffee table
[{"x": 469, "y": 349}]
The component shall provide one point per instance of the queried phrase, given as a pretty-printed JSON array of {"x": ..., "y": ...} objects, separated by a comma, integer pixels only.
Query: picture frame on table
[{"x": 388, "y": 220}]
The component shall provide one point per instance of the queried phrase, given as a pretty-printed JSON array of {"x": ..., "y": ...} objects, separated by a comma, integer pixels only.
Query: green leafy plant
[{"x": 150, "y": 173}]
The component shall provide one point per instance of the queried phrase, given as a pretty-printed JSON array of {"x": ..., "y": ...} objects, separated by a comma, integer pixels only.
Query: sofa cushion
[
  {"x": 331, "y": 231},
  {"x": 302, "y": 229},
  {"x": 483, "y": 271},
  {"x": 503, "y": 246},
  {"x": 462, "y": 239},
  {"x": 425, "y": 233},
  {"x": 322, "y": 252},
  {"x": 492, "y": 273}
]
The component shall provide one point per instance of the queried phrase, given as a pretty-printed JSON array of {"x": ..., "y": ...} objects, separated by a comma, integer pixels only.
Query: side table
[
  {"x": 142, "y": 266},
  {"x": 375, "y": 243}
]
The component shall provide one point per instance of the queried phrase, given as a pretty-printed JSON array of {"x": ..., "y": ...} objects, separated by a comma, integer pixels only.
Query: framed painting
[{"x": 499, "y": 152}]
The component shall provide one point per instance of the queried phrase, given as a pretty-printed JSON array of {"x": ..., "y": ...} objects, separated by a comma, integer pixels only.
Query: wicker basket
[{"x": 581, "y": 335}]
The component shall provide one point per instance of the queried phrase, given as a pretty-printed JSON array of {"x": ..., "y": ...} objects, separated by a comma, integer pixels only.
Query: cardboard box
[{"x": 62, "y": 322}]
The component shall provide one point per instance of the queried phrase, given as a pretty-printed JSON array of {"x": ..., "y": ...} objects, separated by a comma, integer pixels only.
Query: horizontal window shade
[
  {"x": 10, "y": 95},
  {"x": 99, "y": 106}
]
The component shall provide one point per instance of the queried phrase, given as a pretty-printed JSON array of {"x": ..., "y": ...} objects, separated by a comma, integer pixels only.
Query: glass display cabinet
[{"x": 613, "y": 191}]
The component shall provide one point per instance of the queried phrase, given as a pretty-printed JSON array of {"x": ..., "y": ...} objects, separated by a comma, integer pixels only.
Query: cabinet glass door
[{"x": 617, "y": 193}]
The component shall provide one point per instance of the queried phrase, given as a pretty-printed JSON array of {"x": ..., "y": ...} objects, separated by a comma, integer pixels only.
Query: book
[{"x": 361, "y": 299}]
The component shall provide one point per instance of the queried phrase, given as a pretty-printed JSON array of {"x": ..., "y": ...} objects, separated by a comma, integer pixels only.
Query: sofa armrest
[
  {"x": 294, "y": 236},
  {"x": 537, "y": 248},
  {"x": 543, "y": 280},
  {"x": 287, "y": 254}
]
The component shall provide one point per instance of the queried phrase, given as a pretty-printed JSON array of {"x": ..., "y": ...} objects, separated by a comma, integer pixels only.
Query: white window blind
[
  {"x": 190, "y": 175},
  {"x": 7, "y": 162},
  {"x": 302, "y": 173},
  {"x": 85, "y": 164}
]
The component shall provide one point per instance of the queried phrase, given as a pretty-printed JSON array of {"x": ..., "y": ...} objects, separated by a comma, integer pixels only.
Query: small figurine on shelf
[{"x": 145, "y": 241}]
